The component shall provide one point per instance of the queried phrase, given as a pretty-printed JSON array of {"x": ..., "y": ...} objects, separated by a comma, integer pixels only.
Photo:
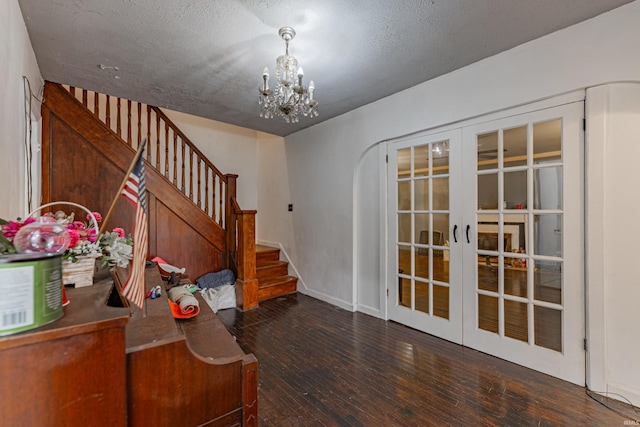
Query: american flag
[{"x": 135, "y": 192}]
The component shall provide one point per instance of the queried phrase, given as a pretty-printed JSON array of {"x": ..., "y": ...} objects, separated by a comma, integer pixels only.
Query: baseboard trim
[
  {"x": 302, "y": 286},
  {"x": 328, "y": 299},
  {"x": 375, "y": 312},
  {"x": 616, "y": 391}
]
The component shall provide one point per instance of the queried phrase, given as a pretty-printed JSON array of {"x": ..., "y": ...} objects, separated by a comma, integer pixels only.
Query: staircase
[
  {"x": 188, "y": 196},
  {"x": 272, "y": 274}
]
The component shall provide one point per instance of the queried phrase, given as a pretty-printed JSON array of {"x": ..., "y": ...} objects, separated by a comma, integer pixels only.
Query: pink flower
[
  {"x": 75, "y": 238},
  {"x": 120, "y": 231},
  {"x": 91, "y": 235},
  {"x": 97, "y": 215},
  {"x": 10, "y": 230},
  {"x": 76, "y": 225}
]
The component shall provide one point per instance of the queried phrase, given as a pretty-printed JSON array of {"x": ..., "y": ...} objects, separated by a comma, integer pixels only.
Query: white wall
[
  {"x": 336, "y": 185},
  {"x": 274, "y": 222},
  {"x": 16, "y": 59},
  {"x": 232, "y": 149},
  {"x": 613, "y": 228},
  {"x": 273, "y": 219}
]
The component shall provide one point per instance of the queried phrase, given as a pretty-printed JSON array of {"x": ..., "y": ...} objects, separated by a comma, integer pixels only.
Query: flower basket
[{"x": 79, "y": 273}]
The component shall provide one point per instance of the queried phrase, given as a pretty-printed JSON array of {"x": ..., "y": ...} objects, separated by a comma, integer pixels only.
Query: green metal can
[{"x": 30, "y": 291}]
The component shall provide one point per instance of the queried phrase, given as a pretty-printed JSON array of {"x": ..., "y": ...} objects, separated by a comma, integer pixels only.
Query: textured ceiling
[{"x": 206, "y": 57}]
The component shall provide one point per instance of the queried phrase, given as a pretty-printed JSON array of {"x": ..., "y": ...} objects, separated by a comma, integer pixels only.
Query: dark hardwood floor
[{"x": 323, "y": 366}]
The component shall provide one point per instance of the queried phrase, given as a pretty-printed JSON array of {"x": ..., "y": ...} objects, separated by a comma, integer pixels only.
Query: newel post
[{"x": 246, "y": 282}]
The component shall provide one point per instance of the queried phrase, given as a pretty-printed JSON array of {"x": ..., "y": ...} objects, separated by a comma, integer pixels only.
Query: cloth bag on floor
[{"x": 220, "y": 297}]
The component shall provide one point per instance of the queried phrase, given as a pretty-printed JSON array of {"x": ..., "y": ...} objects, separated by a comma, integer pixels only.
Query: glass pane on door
[
  {"x": 515, "y": 146},
  {"x": 548, "y": 328},
  {"x": 487, "y": 151},
  {"x": 404, "y": 163},
  {"x": 547, "y": 141},
  {"x": 405, "y": 290}
]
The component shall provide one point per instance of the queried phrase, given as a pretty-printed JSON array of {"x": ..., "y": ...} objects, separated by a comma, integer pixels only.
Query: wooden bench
[{"x": 186, "y": 372}]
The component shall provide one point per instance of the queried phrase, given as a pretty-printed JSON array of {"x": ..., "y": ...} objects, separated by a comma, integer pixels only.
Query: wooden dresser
[
  {"x": 101, "y": 366},
  {"x": 71, "y": 372}
]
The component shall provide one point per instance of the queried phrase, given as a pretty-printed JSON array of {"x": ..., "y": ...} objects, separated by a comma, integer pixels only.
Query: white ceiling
[{"x": 206, "y": 57}]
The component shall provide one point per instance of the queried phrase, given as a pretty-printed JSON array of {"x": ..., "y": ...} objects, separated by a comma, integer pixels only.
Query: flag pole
[{"x": 124, "y": 182}]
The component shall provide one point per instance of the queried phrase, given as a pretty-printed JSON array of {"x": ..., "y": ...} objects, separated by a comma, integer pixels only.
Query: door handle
[
  {"x": 455, "y": 229},
  {"x": 468, "y": 227}
]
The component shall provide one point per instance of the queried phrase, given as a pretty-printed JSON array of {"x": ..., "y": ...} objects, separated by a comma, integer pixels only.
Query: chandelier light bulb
[{"x": 265, "y": 83}]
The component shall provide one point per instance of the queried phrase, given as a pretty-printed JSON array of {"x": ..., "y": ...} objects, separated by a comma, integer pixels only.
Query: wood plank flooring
[{"x": 320, "y": 365}]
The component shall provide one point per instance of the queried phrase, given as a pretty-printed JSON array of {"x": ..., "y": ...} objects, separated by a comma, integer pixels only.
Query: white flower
[
  {"x": 116, "y": 250},
  {"x": 120, "y": 253},
  {"x": 86, "y": 248}
]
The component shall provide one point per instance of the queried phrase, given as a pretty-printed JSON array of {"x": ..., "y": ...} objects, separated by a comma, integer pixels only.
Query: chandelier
[{"x": 289, "y": 98}]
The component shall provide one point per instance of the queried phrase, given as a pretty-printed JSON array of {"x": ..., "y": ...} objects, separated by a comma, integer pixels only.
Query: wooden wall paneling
[
  {"x": 46, "y": 153},
  {"x": 153, "y": 224},
  {"x": 82, "y": 174},
  {"x": 184, "y": 208},
  {"x": 180, "y": 244}
]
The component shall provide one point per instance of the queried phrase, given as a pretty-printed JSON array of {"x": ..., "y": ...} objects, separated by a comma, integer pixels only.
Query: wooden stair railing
[
  {"x": 168, "y": 149},
  {"x": 174, "y": 156}
]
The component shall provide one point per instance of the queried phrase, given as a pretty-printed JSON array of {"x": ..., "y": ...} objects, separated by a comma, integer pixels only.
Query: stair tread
[
  {"x": 276, "y": 281},
  {"x": 266, "y": 254},
  {"x": 269, "y": 264},
  {"x": 263, "y": 248}
]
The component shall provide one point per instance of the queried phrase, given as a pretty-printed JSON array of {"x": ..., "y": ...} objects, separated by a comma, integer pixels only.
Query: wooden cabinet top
[{"x": 86, "y": 312}]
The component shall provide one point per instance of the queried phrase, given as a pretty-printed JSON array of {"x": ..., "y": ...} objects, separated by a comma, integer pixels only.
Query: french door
[
  {"x": 485, "y": 228},
  {"x": 425, "y": 216}
]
